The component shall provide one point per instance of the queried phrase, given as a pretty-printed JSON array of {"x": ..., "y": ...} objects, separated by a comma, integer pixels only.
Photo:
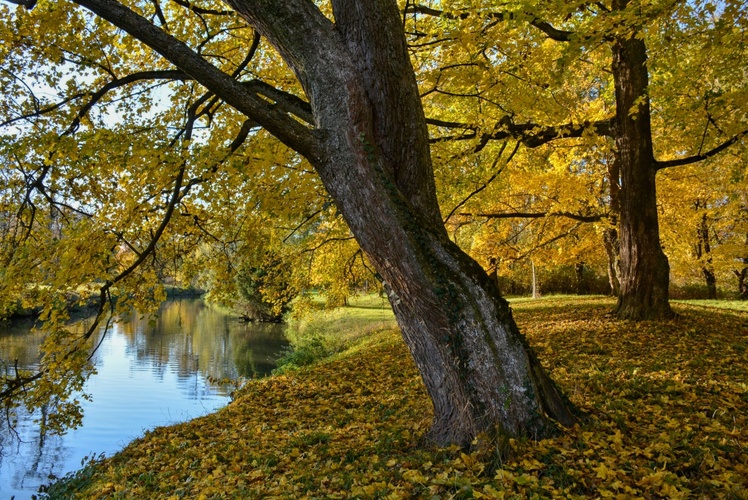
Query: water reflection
[{"x": 150, "y": 371}]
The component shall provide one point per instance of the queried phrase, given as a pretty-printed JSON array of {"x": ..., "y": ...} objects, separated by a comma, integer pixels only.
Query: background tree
[
  {"x": 702, "y": 225},
  {"x": 599, "y": 82}
]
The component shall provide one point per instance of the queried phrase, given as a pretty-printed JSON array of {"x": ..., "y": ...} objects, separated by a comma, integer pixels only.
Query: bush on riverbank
[{"x": 667, "y": 405}]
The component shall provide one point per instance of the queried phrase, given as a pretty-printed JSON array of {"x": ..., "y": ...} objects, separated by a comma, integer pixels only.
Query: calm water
[{"x": 150, "y": 372}]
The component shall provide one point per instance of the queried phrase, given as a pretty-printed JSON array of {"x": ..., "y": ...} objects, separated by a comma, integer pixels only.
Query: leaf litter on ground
[{"x": 667, "y": 407}]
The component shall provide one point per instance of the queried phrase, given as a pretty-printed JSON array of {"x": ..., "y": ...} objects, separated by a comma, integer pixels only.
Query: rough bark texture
[
  {"x": 645, "y": 271},
  {"x": 479, "y": 370}
]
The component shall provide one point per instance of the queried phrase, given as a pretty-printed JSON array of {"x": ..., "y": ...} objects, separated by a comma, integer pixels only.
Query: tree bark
[
  {"x": 742, "y": 276},
  {"x": 703, "y": 253},
  {"x": 610, "y": 234},
  {"x": 645, "y": 271},
  {"x": 610, "y": 240},
  {"x": 480, "y": 372},
  {"x": 581, "y": 281}
]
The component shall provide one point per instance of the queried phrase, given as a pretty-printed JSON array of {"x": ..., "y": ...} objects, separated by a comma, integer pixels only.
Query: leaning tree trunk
[
  {"x": 374, "y": 160},
  {"x": 645, "y": 272}
]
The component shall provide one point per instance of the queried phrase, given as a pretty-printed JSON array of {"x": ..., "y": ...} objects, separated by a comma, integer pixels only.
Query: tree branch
[
  {"x": 552, "y": 33},
  {"x": 284, "y": 101},
  {"x": 547, "y": 28},
  {"x": 702, "y": 156},
  {"x": 538, "y": 215},
  {"x": 29, "y": 4},
  {"x": 547, "y": 242},
  {"x": 530, "y": 134},
  {"x": 289, "y": 131},
  {"x": 121, "y": 82},
  {"x": 491, "y": 179},
  {"x": 201, "y": 10}
]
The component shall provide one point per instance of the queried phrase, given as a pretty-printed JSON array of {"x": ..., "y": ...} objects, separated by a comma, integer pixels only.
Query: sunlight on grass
[
  {"x": 737, "y": 305},
  {"x": 322, "y": 333}
]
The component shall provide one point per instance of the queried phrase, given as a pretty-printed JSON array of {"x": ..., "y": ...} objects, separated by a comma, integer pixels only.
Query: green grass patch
[
  {"x": 321, "y": 333},
  {"x": 735, "y": 305}
]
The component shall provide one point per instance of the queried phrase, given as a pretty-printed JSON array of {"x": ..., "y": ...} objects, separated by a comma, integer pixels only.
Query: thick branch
[
  {"x": 530, "y": 134},
  {"x": 284, "y": 101},
  {"x": 553, "y": 33}
]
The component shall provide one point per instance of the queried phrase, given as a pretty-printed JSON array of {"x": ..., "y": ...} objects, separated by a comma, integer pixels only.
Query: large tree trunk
[
  {"x": 645, "y": 272},
  {"x": 375, "y": 162}
]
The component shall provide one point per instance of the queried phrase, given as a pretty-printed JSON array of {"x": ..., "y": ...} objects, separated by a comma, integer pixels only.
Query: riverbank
[
  {"x": 667, "y": 405},
  {"x": 79, "y": 307}
]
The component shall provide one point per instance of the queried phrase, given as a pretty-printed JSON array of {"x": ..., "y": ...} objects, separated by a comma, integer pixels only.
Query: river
[{"x": 150, "y": 372}]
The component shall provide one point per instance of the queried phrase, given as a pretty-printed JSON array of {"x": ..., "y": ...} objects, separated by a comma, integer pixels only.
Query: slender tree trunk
[
  {"x": 375, "y": 162},
  {"x": 610, "y": 234},
  {"x": 742, "y": 276},
  {"x": 645, "y": 272},
  {"x": 580, "y": 278},
  {"x": 711, "y": 283},
  {"x": 494, "y": 274},
  {"x": 703, "y": 253},
  {"x": 610, "y": 240},
  {"x": 534, "y": 280}
]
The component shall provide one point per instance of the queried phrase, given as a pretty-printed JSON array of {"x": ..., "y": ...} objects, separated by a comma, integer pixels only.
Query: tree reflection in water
[{"x": 150, "y": 371}]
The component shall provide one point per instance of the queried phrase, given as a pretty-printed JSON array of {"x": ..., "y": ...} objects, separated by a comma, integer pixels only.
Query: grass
[
  {"x": 326, "y": 332},
  {"x": 667, "y": 407},
  {"x": 736, "y": 305}
]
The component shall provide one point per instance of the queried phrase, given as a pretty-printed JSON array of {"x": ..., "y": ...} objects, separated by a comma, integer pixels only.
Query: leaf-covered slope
[{"x": 667, "y": 404}]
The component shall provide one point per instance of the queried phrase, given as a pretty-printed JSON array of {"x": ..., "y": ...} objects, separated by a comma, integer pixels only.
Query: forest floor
[{"x": 667, "y": 407}]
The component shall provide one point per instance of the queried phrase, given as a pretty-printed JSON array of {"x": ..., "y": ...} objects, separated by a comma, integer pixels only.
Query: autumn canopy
[{"x": 434, "y": 145}]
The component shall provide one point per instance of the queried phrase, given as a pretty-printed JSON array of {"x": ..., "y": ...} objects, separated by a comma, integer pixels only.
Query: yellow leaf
[{"x": 603, "y": 472}]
